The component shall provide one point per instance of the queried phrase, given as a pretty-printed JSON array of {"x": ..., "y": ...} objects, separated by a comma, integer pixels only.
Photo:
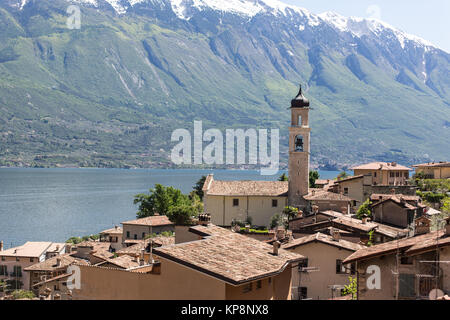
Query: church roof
[
  {"x": 299, "y": 101},
  {"x": 246, "y": 188}
]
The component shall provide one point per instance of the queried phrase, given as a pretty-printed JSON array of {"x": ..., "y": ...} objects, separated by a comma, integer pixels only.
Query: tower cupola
[{"x": 300, "y": 101}]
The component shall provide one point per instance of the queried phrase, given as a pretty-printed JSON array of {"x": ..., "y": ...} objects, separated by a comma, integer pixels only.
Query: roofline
[
  {"x": 221, "y": 277},
  {"x": 146, "y": 225},
  {"x": 315, "y": 239},
  {"x": 283, "y": 195}
]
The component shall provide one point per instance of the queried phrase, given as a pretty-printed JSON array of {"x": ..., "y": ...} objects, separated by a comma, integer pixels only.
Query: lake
[{"x": 56, "y": 204}]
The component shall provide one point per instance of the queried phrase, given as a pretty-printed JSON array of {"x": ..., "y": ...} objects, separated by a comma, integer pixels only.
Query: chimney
[
  {"x": 364, "y": 220},
  {"x": 1, "y": 245},
  {"x": 276, "y": 247},
  {"x": 116, "y": 227},
  {"x": 142, "y": 257},
  {"x": 335, "y": 234},
  {"x": 204, "y": 219},
  {"x": 281, "y": 233},
  {"x": 58, "y": 262}
]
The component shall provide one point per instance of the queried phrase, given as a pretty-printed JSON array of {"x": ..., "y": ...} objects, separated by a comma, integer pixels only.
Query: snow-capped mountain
[{"x": 230, "y": 62}]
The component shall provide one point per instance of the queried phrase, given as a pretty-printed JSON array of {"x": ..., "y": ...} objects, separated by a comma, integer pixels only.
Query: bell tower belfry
[{"x": 299, "y": 153}]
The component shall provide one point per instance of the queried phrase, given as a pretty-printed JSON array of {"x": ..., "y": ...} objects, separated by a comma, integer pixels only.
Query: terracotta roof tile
[
  {"x": 248, "y": 188},
  {"x": 230, "y": 257},
  {"x": 381, "y": 166},
  {"x": 392, "y": 246},
  {"x": 433, "y": 165},
  {"x": 324, "y": 238},
  {"x": 323, "y": 195},
  {"x": 150, "y": 221},
  {"x": 51, "y": 264},
  {"x": 29, "y": 249}
]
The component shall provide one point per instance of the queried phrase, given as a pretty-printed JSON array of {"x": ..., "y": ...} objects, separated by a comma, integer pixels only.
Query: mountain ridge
[{"x": 125, "y": 76}]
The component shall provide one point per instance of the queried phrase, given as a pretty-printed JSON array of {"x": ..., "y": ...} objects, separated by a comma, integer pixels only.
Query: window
[
  {"x": 302, "y": 293},
  {"x": 407, "y": 285},
  {"x": 406, "y": 260},
  {"x": 3, "y": 271},
  {"x": 353, "y": 268},
  {"x": 259, "y": 284},
  {"x": 17, "y": 259},
  {"x": 406, "y": 174},
  {"x": 143, "y": 235},
  {"x": 3, "y": 258},
  {"x": 302, "y": 264},
  {"x": 299, "y": 143},
  {"x": 339, "y": 267},
  {"x": 128, "y": 234},
  {"x": 274, "y": 203},
  {"x": 235, "y": 202},
  {"x": 17, "y": 271},
  {"x": 397, "y": 174},
  {"x": 247, "y": 288},
  {"x": 374, "y": 174},
  {"x": 270, "y": 280},
  {"x": 345, "y": 191},
  {"x": 31, "y": 260},
  {"x": 391, "y": 174},
  {"x": 135, "y": 237}
]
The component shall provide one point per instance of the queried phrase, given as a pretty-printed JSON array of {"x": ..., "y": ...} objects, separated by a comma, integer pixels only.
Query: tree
[
  {"x": 160, "y": 200},
  {"x": 276, "y": 221},
  {"x": 22, "y": 294},
  {"x": 182, "y": 215},
  {"x": 289, "y": 213},
  {"x": 313, "y": 176},
  {"x": 342, "y": 175},
  {"x": 198, "y": 188},
  {"x": 283, "y": 177},
  {"x": 364, "y": 210},
  {"x": 181, "y": 209},
  {"x": 351, "y": 288}
]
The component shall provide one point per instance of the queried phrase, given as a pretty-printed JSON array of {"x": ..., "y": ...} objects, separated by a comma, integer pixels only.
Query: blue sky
[{"x": 428, "y": 19}]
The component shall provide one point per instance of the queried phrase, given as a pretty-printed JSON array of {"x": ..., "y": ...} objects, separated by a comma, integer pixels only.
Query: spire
[{"x": 300, "y": 101}]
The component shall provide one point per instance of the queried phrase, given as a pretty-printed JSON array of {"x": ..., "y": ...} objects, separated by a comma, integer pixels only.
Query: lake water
[{"x": 56, "y": 204}]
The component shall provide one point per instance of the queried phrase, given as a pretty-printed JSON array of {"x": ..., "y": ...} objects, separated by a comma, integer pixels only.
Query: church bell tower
[{"x": 299, "y": 154}]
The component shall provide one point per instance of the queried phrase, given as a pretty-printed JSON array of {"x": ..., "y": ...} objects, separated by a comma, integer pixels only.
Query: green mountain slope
[{"x": 111, "y": 93}]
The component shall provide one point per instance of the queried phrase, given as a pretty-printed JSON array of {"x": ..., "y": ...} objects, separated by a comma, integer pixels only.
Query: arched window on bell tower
[{"x": 299, "y": 144}]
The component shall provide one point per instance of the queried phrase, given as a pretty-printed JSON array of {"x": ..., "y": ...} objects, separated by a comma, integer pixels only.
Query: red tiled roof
[
  {"x": 433, "y": 164},
  {"x": 230, "y": 257},
  {"x": 245, "y": 188},
  {"x": 51, "y": 264},
  {"x": 381, "y": 166},
  {"x": 150, "y": 221},
  {"x": 324, "y": 238},
  {"x": 393, "y": 246},
  {"x": 323, "y": 195}
]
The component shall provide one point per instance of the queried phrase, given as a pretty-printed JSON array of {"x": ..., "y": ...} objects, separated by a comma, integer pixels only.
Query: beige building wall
[
  {"x": 175, "y": 282},
  {"x": 273, "y": 288},
  {"x": 355, "y": 190},
  {"x": 324, "y": 257},
  {"x": 23, "y": 263},
  {"x": 383, "y": 177},
  {"x": 437, "y": 173},
  {"x": 137, "y": 232},
  {"x": 391, "y": 213},
  {"x": 259, "y": 208},
  {"x": 390, "y": 284}
]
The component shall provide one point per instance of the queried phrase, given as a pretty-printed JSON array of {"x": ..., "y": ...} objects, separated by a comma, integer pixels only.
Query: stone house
[
  {"x": 322, "y": 274},
  {"x": 434, "y": 170},
  {"x": 383, "y": 173},
  {"x": 137, "y": 230}
]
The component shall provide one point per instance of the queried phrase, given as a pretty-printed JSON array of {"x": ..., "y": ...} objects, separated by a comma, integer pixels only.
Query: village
[{"x": 379, "y": 234}]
